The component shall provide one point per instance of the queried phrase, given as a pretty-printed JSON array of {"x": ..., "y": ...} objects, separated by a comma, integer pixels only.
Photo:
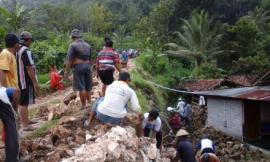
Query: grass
[
  {"x": 144, "y": 89},
  {"x": 44, "y": 128},
  {"x": 43, "y": 78}
]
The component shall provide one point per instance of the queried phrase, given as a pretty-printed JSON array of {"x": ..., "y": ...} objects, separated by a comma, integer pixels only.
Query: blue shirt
[{"x": 185, "y": 151}]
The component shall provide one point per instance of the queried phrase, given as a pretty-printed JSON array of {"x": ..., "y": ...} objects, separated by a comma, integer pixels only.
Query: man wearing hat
[
  {"x": 184, "y": 147},
  {"x": 28, "y": 83},
  {"x": 79, "y": 58}
]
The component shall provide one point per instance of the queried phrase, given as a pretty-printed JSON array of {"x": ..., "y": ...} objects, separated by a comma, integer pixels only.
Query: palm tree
[
  {"x": 199, "y": 39},
  {"x": 260, "y": 17}
]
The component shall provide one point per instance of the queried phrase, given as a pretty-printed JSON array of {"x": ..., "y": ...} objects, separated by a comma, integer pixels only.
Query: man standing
[
  {"x": 112, "y": 109},
  {"x": 153, "y": 122},
  {"x": 8, "y": 66},
  {"x": 27, "y": 79},
  {"x": 107, "y": 61},
  {"x": 9, "y": 98},
  {"x": 8, "y": 78},
  {"x": 79, "y": 58}
]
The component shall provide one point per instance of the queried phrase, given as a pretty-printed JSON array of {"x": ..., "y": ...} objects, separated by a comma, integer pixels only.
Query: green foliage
[
  {"x": 244, "y": 35},
  {"x": 51, "y": 51},
  {"x": 260, "y": 17},
  {"x": 43, "y": 78},
  {"x": 15, "y": 17},
  {"x": 119, "y": 36},
  {"x": 206, "y": 71},
  {"x": 147, "y": 92},
  {"x": 164, "y": 70},
  {"x": 198, "y": 40},
  {"x": 101, "y": 19},
  {"x": 251, "y": 65}
]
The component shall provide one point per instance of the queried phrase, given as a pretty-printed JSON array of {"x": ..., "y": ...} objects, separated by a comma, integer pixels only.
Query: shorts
[
  {"x": 27, "y": 96},
  {"x": 106, "y": 76},
  {"x": 82, "y": 77},
  {"x": 105, "y": 118}
]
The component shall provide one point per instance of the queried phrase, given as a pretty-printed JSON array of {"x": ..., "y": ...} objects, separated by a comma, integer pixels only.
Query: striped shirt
[
  {"x": 107, "y": 59},
  {"x": 24, "y": 59}
]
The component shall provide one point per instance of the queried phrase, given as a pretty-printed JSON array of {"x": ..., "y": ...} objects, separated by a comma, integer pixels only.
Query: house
[{"x": 243, "y": 113}]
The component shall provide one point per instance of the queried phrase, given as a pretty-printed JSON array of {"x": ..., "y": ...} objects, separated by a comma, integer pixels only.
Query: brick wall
[{"x": 226, "y": 115}]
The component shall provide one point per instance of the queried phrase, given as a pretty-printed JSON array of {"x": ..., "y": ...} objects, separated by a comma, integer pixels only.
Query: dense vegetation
[{"x": 178, "y": 39}]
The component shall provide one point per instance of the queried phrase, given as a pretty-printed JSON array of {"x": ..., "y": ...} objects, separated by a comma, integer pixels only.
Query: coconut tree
[
  {"x": 260, "y": 17},
  {"x": 198, "y": 39}
]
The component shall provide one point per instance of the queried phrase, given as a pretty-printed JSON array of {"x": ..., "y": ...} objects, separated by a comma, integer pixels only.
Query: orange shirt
[{"x": 9, "y": 65}]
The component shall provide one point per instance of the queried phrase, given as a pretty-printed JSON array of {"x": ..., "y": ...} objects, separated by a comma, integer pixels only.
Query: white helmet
[{"x": 180, "y": 99}]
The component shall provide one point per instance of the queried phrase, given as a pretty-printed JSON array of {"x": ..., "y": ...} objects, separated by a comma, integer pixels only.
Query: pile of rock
[
  {"x": 120, "y": 144},
  {"x": 228, "y": 148}
]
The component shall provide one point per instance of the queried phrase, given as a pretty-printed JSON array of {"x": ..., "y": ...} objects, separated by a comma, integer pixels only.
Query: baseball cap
[
  {"x": 75, "y": 33},
  {"x": 25, "y": 35}
]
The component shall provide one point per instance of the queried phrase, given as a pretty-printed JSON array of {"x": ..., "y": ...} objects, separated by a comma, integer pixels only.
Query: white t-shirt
[
  {"x": 156, "y": 124},
  {"x": 117, "y": 95},
  {"x": 206, "y": 143},
  {"x": 201, "y": 101},
  {"x": 180, "y": 106}
]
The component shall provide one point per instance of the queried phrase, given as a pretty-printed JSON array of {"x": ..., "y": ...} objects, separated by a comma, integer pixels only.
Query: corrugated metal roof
[{"x": 261, "y": 93}]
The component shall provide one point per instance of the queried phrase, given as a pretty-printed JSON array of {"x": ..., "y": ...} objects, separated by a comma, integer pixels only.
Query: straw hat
[{"x": 182, "y": 132}]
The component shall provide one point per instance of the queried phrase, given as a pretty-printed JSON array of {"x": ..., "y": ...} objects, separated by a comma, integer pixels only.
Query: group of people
[
  {"x": 18, "y": 88},
  {"x": 205, "y": 148}
]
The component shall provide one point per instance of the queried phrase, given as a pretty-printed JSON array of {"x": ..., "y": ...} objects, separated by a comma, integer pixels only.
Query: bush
[{"x": 251, "y": 65}]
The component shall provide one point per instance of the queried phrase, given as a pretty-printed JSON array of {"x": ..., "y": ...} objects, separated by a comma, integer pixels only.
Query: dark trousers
[
  {"x": 207, "y": 150},
  {"x": 158, "y": 136},
  {"x": 11, "y": 142}
]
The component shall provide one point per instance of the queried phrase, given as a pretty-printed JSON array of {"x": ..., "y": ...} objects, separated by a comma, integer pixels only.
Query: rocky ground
[{"x": 69, "y": 140}]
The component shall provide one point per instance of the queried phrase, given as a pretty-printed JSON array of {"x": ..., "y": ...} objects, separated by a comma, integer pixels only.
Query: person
[
  {"x": 107, "y": 61},
  {"x": 8, "y": 65},
  {"x": 105, "y": 40},
  {"x": 201, "y": 101},
  {"x": 206, "y": 145},
  {"x": 28, "y": 83},
  {"x": 152, "y": 122},
  {"x": 112, "y": 109},
  {"x": 9, "y": 99},
  {"x": 184, "y": 147},
  {"x": 124, "y": 59},
  {"x": 79, "y": 58},
  {"x": 185, "y": 113},
  {"x": 55, "y": 79},
  {"x": 207, "y": 150},
  {"x": 175, "y": 122},
  {"x": 180, "y": 105}
]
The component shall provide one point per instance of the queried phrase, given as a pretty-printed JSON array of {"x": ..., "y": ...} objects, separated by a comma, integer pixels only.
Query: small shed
[{"x": 240, "y": 112}]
